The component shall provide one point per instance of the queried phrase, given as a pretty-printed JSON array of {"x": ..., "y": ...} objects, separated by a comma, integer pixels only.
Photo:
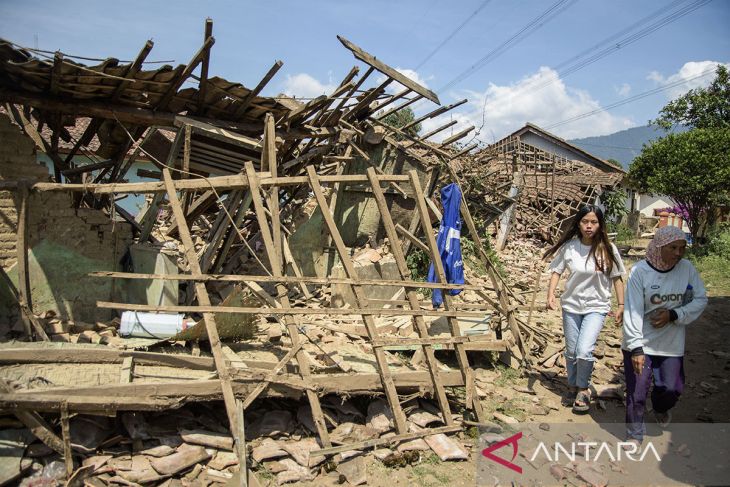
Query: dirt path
[{"x": 706, "y": 396}]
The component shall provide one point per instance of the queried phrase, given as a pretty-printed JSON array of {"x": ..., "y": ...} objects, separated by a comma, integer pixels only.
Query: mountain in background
[{"x": 623, "y": 146}]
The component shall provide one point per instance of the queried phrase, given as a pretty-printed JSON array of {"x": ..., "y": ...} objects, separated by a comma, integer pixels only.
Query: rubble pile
[{"x": 266, "y": 268}]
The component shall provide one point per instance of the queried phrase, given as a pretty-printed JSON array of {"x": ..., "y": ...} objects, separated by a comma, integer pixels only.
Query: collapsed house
[
  {"x": 275, "y": 234},
  {"x": 534, "y": 182}
]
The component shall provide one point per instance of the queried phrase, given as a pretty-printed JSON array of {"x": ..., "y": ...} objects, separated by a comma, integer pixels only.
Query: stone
[
  {"x": 293, "y": 473},
  {"x": 96, "y": 462},
  {"x": 12, "y": 445},
  {"x": 424, "y": 418},
  {"x": 354, "y": 470},
  {"x": 419, "y": 444},
  {"x": 223, "y": 459},
  {"x": 382, "y": 453},
  {"x": 504, "y": 418},
  {"x": 185, "y": 456},
  {"x": 301, "y": 452},
  {"x": 158, "y": 451},
  {"x": 446, "y": 448},
  {"x": 380, "y": 417},
  {"x": 267, "y": 449},
  {"x": 275, "y": 423},
  {"x": 207, "y": 438}
]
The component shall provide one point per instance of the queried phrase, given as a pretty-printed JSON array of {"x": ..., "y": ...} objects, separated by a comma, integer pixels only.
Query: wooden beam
[
  {"x": 434, "y": 113},
  {"x": 203, "y": 83},
  {"x": 197, "y": 59},
  {"x": 218, "y": 182},
  {"x": 241, "y": 109},
  {"x": 66, "y": 430},
  {"x": 25, "y": 299},
  {"x": 324, "y": 281},
  {"x": 458, "y": 135},
  {"x": 370, "y": 60}
]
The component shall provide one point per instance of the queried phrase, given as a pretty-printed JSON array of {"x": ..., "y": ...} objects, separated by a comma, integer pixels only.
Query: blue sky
[{"x": 525, "y": 82}]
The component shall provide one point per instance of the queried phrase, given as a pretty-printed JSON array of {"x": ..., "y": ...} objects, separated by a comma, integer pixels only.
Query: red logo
[{"x": 487, "y": 452}]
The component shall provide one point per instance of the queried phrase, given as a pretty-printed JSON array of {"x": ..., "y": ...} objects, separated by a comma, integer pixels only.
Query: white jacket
[{"x": 648, "y": 290}]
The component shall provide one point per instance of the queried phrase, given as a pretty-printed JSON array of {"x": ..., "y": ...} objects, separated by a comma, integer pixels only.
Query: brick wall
[{"x": 65, "y": 243}]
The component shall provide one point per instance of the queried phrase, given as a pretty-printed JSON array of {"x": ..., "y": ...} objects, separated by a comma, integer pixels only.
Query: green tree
[
  {"x": 692, "y": 168},
  {"x": 701, "y": 107},
  {"x": 400, "y": 119},
  {"x": 614, "y": 202}
]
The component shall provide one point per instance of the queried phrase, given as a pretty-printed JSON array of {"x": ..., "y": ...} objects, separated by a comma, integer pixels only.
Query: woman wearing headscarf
[
  {"x": 594, "y": 265},
  {"x": 664, "y": 294}
]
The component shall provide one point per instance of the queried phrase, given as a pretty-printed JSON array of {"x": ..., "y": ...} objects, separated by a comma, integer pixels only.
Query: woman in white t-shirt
[{"x": 594, "y": 265}]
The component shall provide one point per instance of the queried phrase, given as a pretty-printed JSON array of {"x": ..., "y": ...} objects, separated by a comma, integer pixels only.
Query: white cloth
[
  {"x": 648, "y": 290},
  {"x": 587, "y": 290}
]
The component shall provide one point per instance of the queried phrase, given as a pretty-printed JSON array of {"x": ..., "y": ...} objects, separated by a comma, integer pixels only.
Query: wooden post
[
  {"x": 24, "y": 291},
  {"x": 210, "y": 326},
  {"x": 66, "y": 430},
  {"x": 418, "y": 321},
  {"x": 361, "y": 299},
  {"x": 461, "y": 357},
  {"x": 505, "y": 222}
]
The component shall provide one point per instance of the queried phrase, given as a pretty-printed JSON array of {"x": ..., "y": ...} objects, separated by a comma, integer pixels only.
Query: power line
[
  {"x": 452, "y": 34},
  {"x": 615, "y": 46},
  {"x": 629, "y": 100},
  {"x": 554, "y": 10}
]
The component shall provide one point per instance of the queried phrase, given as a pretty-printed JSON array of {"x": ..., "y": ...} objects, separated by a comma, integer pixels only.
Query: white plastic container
[{"x": 151, "y": 325}]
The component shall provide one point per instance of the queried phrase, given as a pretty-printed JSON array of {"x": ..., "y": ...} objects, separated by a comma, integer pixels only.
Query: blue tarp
[{"x": 449, "y": 243}]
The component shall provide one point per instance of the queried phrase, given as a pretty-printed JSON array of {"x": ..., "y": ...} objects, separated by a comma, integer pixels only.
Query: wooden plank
[
  {"x": 434, "y": 113},
  {"x": 435, "y": 131},
  {"x": 418, "y": 322},
  {"x": 471, "y": 397},
  {"x": 399, "y": 107},
  {"x": 386, "y": 440},
  {"x": 72, "y": 354},
  {"x": 288, "y": 279},
  {"x": 361, "y": 300},
  {"x": 233, "y": 233},
  {"x": 208, "y": 318},
  {"x": 201, "y": 204},
  {"x": 276, "y": 264},
  {"x": 458, "y": 135},
  {"x": 370, "y": 60}
]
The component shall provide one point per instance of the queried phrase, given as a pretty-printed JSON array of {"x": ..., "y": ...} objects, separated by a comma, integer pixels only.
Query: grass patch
[
  {"x": 428, "y": 477},
  {"x": 715, "y": 272},
  {"x": 507, "y": 376}
]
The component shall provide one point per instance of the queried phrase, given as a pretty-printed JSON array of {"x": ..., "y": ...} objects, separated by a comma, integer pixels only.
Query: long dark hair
[{"x": 600, "y": 247}]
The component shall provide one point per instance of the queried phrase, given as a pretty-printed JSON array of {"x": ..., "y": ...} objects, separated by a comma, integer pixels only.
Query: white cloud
[
  {"x": 408, "y": 73},
  {"x": 541, "y": 98},
  {"x": 690, "y": 69},
  {"x": 624, "y": 90},
  {"x": 303, "y": 85}
]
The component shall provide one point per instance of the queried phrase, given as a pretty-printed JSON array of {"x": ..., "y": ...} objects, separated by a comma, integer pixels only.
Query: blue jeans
[{"x": 581, "y": 332}]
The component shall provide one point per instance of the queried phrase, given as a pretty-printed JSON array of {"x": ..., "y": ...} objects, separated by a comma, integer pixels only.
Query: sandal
[
  {"x": 582, "y": 402},
  {"x": 568, "y": 398}
]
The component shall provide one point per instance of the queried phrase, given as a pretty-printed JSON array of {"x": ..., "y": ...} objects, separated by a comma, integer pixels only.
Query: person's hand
[
  {"x": 638, "y": 363},
  {"x": 660, "y": 318},
  {"x": 618, "y": 315},
  {"x": 551, "y": 302}
]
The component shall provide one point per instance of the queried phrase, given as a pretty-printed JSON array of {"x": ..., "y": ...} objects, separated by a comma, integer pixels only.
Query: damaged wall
[{"x": 64, "y": 243}]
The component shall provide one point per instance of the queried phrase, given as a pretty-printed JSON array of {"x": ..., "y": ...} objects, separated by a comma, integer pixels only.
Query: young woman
[
  {"x": 664, "y": 293},
  {"x": 594, "y": 265}
]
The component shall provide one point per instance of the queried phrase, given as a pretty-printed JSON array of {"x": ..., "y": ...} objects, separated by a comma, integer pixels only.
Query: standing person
[
  {"x": 594, "y": 264},
  {"x": 664, "y": 294}
]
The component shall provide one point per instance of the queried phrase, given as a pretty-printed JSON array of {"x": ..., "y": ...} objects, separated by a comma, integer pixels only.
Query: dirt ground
[{"x": 706, "y": 398}]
